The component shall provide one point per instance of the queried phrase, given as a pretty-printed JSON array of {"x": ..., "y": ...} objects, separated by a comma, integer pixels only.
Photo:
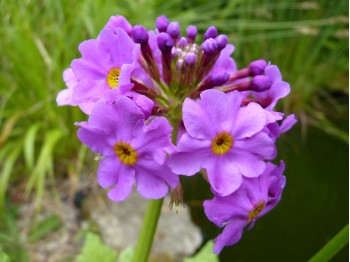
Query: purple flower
[
  {"x": 278, "y": 90},
  {"x": 223, "y": 138},
  {"x": 106, "y": 63},
  {"x": 133, "y": 151},
  {"x": 255, "y": 198}
]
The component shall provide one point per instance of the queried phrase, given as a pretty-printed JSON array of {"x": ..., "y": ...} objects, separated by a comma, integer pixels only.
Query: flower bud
[
  {"x": 221, "y": 41},
  {"x": 211, "y": 32},
  {"x": 190, "y": 59},
  {"x": 191, "y": 32},
  {"x": 257, "y": 67},
  {"x": 165, "y": 42},
  {"x": 182, "y": 42},
  {"x": 174, "y": 30},
  {"x": 162, "y": 23},
  {"x": 140, "y": 35},
  {"x": 210, "y": 47},
  {"x": 260, "y": 83},
  {"x": 220, "y": 79}
]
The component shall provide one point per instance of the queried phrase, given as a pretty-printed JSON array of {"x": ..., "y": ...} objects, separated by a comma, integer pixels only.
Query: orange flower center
[
  {"x": 256, "y": 210},
  {"x": 126, "y": 153},
  {"x": 222, "y": 143}
]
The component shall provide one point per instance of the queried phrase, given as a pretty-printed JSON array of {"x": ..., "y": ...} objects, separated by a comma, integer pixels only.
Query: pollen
[
  {"x": 127, "y": 155},
  {"x": 256, "y": 210},
  {"x": 222, "y": 143},
  {"x": 113, "y": 77}
]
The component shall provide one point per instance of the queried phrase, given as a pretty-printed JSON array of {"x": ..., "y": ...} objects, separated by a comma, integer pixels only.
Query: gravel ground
[{"x": 117, "y": 223}]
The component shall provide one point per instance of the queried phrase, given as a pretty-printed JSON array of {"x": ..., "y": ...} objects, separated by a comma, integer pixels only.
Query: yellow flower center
[
  {"x": 222, "y": 143},
  {"x": 256, "y": 210},
  {"x": 126, "y": 153},
  {"x": 113, "y": 77}
]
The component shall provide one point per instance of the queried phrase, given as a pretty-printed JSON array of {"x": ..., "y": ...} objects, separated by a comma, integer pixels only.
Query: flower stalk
[{"x": 148, "y": 230}]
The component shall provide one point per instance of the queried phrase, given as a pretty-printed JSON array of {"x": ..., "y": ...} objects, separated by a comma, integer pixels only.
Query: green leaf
[
  {"x": 4, "y": 257},
  {"x": 205, "y": 254},
  {"x": 29, "y": 145},
  {"x": 126, "y": 255},
  {"x": 333, "y": 246},
  {"x": 42, "y": 229},
  {"x": 94, "y": 250}
]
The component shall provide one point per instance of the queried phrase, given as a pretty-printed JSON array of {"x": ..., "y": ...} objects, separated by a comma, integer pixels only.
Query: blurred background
[{"x": 43, "y": 165}]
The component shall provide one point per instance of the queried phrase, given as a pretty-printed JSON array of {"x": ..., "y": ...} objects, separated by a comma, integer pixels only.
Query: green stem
[
  {"x": 148, "y": 229},
  {"x": 333, "y": 246}
]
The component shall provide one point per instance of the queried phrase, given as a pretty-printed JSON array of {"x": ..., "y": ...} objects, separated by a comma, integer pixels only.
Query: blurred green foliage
[{"x": 308, "y": 40}]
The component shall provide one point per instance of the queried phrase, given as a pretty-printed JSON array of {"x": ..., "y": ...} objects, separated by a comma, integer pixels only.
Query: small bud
[
  {"x": 221, "y": 41},
  {"x": 211, "y": 33},
  {"x": 162, "y": 23},
  {"x": 191, "y": 32},
  {"x": 176, "y": 52},
  {"x": 182, "y": 42},
  {"x": 261, "y": 83},
  {"x": 220, "y": 79},
  {"x": 257, "y": 67},
  {"x": 210, "y": 47},
  {"x": 140, "y": 35},
  {"x": 165, "y": 42},
  {"x": 174, "y": 30},
  {"x": 190, "y": 59}
]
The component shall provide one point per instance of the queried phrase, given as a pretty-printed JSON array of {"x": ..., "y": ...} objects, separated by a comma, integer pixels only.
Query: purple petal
[
  {"x": 189, "y": 156},
  {"x": 288, "y": 123},
  {"x": 85, "y": 70},
  {"x": 96, "y": 140},
  {"x": 196, "y": 120},
  {"x": 95, "y": 51},
  {"x": 154, "y": 138},
  {"x": 87, "y": 90},
  {"x": 149, "y": 185},
  {"x": 69, "y": 78},
  {"x": 124, "y": 79},
  {"x": 118, "y": 21},
  {"x": 223, "y": 174},
  {"x": 231, "y": 234},
  {"x": 64, "y": 97},
  {"x": 273, "y": 72},
  {"x": 225, "y": 63},
  {"x": 277, "y": 91},
  {"x": 249, "y": 165},
  {"x": 220, "y": 210},
  {"x": 250, "y": 120},
  {"x": 108, "y": 171},
  {"x": 124, "y": 185},
  {"x": 260, "y": 144},
  {"x": 117, "y": 119}
]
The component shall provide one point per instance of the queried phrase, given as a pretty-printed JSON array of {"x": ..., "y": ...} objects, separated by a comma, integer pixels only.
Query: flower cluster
[{"x": 161, "y": 105}]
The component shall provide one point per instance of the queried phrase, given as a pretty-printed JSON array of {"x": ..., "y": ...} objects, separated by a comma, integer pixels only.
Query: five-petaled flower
[{"x": 133, "y": 151}]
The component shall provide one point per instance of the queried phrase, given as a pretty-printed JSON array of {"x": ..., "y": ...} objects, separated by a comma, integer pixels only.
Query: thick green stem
[
  {"x": 333, "y": 246},
  {"x": 148, "y": 229}
]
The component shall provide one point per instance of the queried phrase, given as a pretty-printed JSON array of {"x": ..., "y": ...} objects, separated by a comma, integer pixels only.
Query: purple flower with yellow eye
[
  {"x": 132, "y": 151},
  {"x": 106, "y": 64},
  {"x": 255, "y": 198},
  {"x": 223, "y": 138}
]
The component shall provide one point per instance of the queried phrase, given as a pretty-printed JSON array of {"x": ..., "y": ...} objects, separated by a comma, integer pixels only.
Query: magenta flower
[
  {"x": 223, "y": 138},
  {"x": 255, "y": 198},
  {"x": 106, "y": 64},
  {"x": 133, "y": 151}
]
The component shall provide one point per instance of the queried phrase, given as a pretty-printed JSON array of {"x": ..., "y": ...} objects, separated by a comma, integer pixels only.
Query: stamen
[
  {"x": 256, "y": 210},
  {"x": 113, "y": 77},
  {"x": 126, "y": 154},
  {"x": 222, "y": 143}
]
